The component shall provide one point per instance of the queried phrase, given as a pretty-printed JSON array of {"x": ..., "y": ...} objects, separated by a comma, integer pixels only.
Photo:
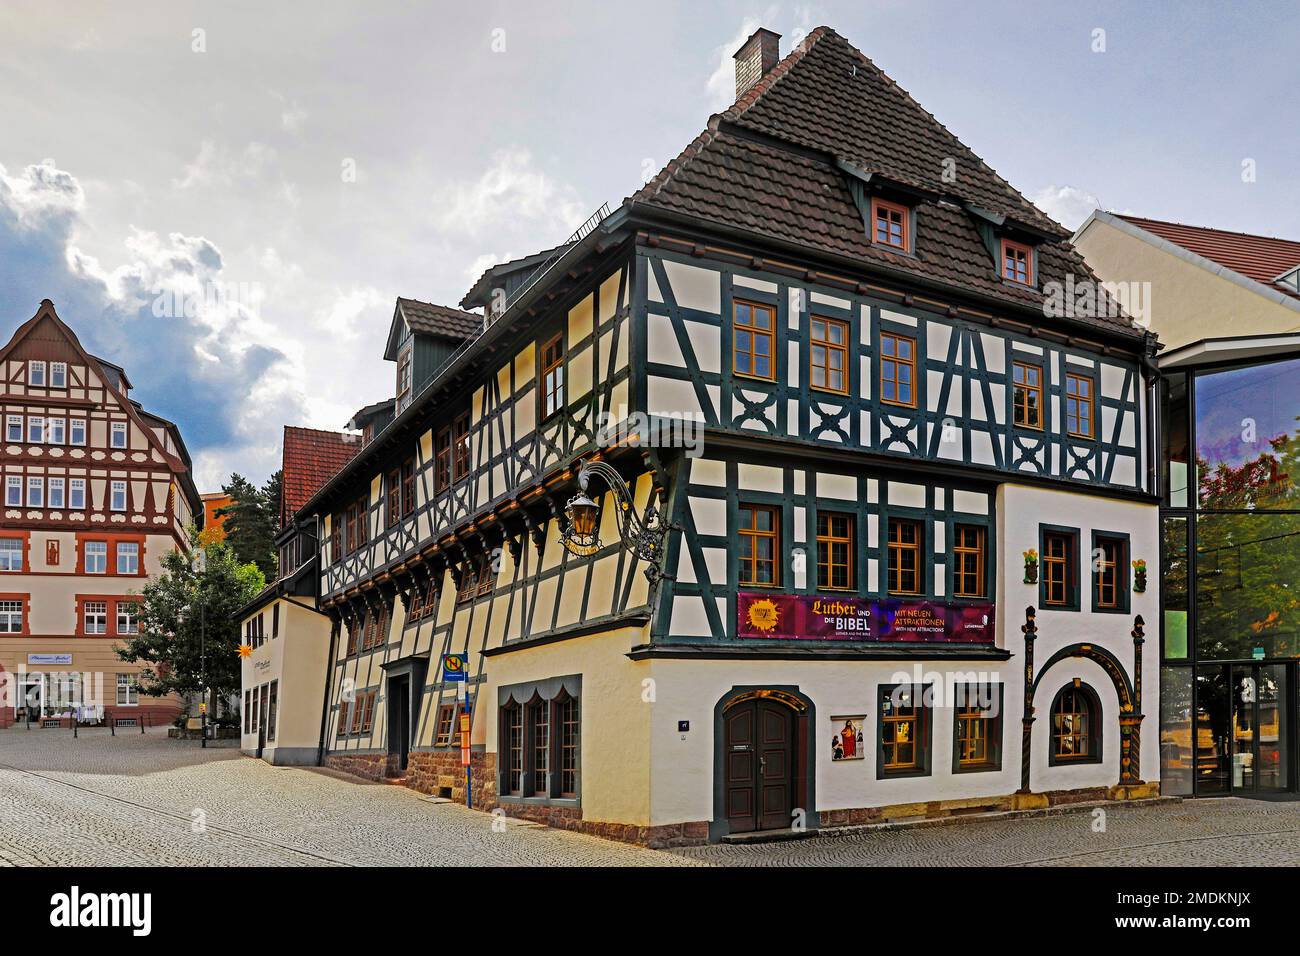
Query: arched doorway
[{"x": 763, "y": 771}]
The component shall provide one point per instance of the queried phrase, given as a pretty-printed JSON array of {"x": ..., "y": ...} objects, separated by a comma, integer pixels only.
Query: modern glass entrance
[
  {"x": 1230, "y": 561},
  {"x": 1244, "y": 729}
]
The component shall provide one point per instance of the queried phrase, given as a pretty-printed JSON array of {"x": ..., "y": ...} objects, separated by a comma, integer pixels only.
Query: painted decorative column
[
  {"x": 1030, "y": 630},
  {"x": 1130, "y": 725}
]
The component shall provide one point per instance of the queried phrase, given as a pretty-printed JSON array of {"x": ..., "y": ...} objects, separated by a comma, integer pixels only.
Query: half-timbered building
[
  {"x": 97, "y": 491},
  {"x": 867, "y": 516}
]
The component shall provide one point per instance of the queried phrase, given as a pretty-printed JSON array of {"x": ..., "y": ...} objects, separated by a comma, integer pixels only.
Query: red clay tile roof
[
  {"x": 311, "y": 458},
  {"x": 1257, "y": 257},
  {"x": 768, "y": 166},
  {"x": 443, "y": 320}
]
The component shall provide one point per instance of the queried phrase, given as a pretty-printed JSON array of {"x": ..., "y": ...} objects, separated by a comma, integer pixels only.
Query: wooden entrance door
[{"x": 758, "y": 765}]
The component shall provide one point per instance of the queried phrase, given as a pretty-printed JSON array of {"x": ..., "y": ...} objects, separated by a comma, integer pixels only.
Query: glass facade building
[{"x": 1230, "y": 562}]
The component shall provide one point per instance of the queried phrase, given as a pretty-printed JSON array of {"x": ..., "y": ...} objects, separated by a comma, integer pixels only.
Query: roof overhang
[
  {"x": 1209, "y": 265},
  {"x": 1233, "y": 348}
]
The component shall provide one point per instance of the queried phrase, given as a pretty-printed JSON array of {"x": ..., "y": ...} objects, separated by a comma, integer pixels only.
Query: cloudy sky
[{"x": 283, "y": 171}]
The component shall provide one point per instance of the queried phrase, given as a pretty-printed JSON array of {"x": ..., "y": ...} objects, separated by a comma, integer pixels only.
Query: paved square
[{"x": 142, "y": 799}]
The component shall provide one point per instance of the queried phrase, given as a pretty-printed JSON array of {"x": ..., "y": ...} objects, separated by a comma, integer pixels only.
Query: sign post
[{"x": 455, "y": 668}]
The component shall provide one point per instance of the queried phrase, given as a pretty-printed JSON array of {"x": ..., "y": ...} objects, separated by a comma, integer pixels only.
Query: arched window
[{"x": 1075, "y": 726}]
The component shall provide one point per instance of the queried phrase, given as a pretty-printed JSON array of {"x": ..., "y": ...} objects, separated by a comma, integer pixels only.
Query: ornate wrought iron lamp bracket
[{"x": 644, "y": 535}]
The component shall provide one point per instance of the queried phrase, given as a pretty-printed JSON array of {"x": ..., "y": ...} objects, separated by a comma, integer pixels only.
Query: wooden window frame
[
  {"x": 842, "y": 349},
  {"x": 754, "y": 331},
  {"x": 896, "y": 337},
  {"x": 408, "y": 488},
  {"x": 1017, "y": 388},
  {"x": 460, "y": 457},
  {"x": 445, "y": 726},
  {"x": 900, "y": 547},
  {"x": 568, "y": 749},
  {"x": 344, "y": 728},
  {"x": 904, "y": 214},
  {"x": 969, "y": 716},
  {"x": 1089, "y": 400},
  {"x": 1068, "y": 564},
  {"x": 919, "y": 720},
  {"x": 442, "y": 460},
  {"x": 746, "y": 577},
  {"x": 827, "y": 540},
  {"x": 979, "y": 548},
  {"x": 538, "y": 720},
  {"x": 1011, "y": 246},
  {"x": 550, "y": 392},
  {"x": 1087, "y": 732},
  {"x": 394, "y": 510},
  {"x": 1118, "y": 600},
  {"x": 513, "y": 750}
]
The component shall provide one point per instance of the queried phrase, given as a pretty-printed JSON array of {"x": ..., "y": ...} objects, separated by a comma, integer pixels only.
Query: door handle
[{"x": 762, "y": 762}]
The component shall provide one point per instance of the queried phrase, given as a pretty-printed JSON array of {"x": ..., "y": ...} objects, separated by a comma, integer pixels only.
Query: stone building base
[{"x": 439, "y": 773}]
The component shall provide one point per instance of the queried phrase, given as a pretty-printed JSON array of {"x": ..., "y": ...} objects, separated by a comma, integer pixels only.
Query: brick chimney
[{"x": 755, "y": 58}]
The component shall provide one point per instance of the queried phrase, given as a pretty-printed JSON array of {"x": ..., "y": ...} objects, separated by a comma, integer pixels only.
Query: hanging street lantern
[{"x": 644, "y": 536}]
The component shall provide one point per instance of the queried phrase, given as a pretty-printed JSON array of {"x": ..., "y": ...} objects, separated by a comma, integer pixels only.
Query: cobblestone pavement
[
  {"x": 138, "y": 799},
  {"x": 134, "y": 799},
  {"x": 1217, "y": 832}
]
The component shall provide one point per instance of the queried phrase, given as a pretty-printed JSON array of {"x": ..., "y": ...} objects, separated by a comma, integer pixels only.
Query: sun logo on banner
[
  {"x": 245, "y": 650},
  {"x": 763, "y": 614}
]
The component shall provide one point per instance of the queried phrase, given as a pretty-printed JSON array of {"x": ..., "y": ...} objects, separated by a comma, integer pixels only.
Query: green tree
[
  {"x": 188, "y": 635},
  {"x": 252, "y": 519}
]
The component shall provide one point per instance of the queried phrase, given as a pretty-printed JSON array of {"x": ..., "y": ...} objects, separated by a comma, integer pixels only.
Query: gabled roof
[
  {"x": 1261, "y": 258},
  {"x": 311, "y": 458},
  {"x": 427, "y": 318},
  {"x": 479, "y": 292},
  {"x": 360, "y": 416},
  {"x": 109, "y": 372},
  {"x": 773, "y": 166}
]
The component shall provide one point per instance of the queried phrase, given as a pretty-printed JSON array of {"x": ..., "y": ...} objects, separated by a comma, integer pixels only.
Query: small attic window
[
  {"x": 889, "y": 225},
  {"x": 1017, "y": 262}
]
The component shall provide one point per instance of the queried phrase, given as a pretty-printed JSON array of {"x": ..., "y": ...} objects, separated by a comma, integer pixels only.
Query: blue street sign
[{"x": 455, "y": 667}]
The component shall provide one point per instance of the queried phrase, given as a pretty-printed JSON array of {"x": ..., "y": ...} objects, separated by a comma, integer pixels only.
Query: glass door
[
  {"x": 1210, "y": 733},
  {"x": 1259, "y": 728}
]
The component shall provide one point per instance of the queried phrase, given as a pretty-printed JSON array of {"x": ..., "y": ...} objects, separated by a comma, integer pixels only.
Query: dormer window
[
  {"x": 1017, "y": 262},
  {"x": 889, "y": 225},
  {"x": 404, "y": 378}
]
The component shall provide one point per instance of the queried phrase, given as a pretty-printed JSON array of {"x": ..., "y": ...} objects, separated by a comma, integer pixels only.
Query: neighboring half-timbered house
[
  {"x": 906, "y": 501},
  {"x": 97, "y": 490}
]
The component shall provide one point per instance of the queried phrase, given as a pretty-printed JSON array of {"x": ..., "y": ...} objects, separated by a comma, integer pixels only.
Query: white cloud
[
  {"x": 40, "y": 191},
  {"x": 510, "y": 192},
  {"x": 1068, "y": 205},
  {"x": 218, "y": 165}
]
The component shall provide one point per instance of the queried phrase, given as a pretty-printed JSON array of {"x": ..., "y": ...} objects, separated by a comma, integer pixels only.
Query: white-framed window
[
  {"x": 128, "y": 617},
  {"x": 77, "y": 432},
  {"x": 35, "y": 492},
  {"x": 128, "y": 692},
  {"x": 117, "y": 501},
  {"x": 59, "y": 374},
  {"x": 14, "y": 490},
  {"x": 56, "y": 493},
  {"x": 14, "y": 428},
  {"x": 96, "y": 613},
  {"x": 77, "y": 493},
  {"x": 11, "y": 554},
  {"x": 36, "y": 428},
  {"x": 128, "y": 557},
  {"x": 119, "y": 435},
  {"x": 96, "y": 557},
  {"x": 55, "y": 431},
  {"x": 35, "y": 372},
  {"x": 11, "y": 617}
]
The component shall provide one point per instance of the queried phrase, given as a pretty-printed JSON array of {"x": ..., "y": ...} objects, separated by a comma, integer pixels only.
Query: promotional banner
[{"x": 820, "y": 617}]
